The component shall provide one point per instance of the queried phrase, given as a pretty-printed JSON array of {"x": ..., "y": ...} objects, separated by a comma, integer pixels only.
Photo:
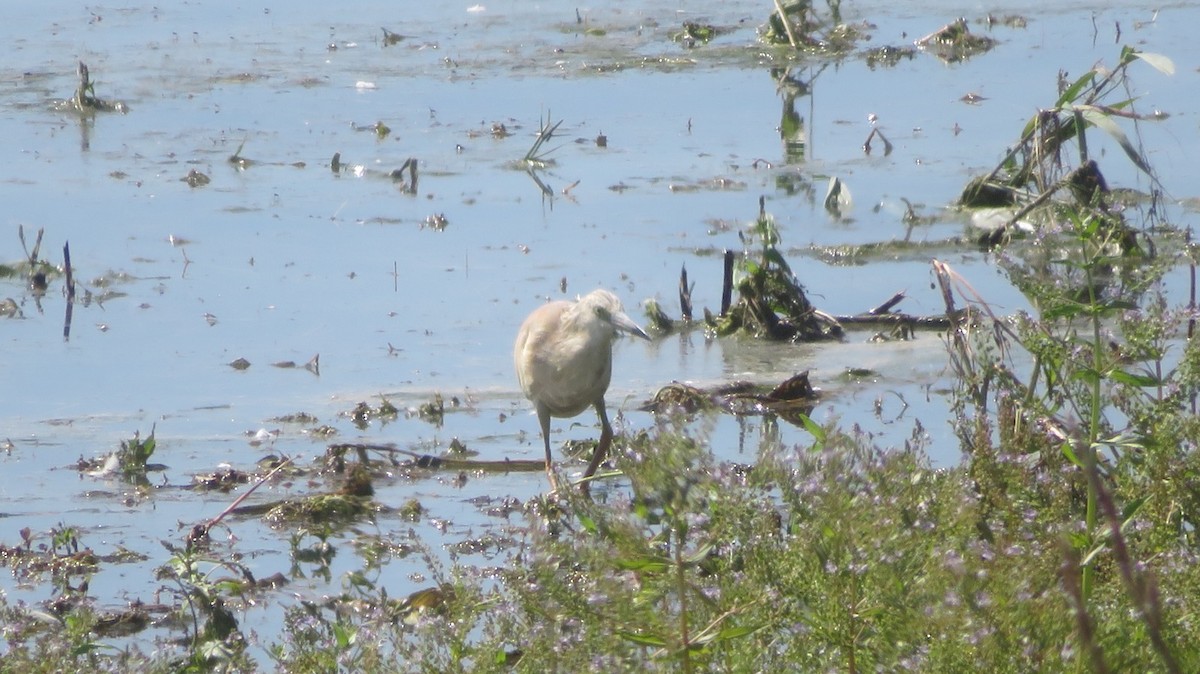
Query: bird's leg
[
  {"x": 606, "y": 436},
  {"x": 544, "y": 422}
]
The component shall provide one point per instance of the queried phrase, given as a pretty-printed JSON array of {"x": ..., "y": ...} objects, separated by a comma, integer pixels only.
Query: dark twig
[
  {"x": 887, "y": 145},
  {"x": 37, "y": 244},
  {"x": 1191, "y": 331},
  {"x": 727, "y": 283},
  {"x": 435, "y": 462},
  {"x": 1140, "y": 586},
  {"x": 70, "y": 289},
  {"x": 887, "y": 306},
  {"x": 685, "y": 295},
  {"x": 1083, "y": 622},
  {"x": 397, "y": 175},
  {"x": 1191, "y": 293},
  {"x": 200, "y": 531}
]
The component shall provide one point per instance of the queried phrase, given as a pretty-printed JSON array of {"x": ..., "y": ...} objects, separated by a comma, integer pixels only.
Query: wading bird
[{"x": 563, "y": 358}]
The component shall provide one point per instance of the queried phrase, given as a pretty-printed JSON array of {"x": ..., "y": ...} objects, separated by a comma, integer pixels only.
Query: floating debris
[
  {"x": 837, "y": 197},
  {"x": 694, "y": 34},
  {"x": 390, "y": 38},
  {"x": 955, "y": 42},
  {"x": 789, "y": 399},
  {"x": 889, "y": 56},
  {"x": 195, "y": 178}
]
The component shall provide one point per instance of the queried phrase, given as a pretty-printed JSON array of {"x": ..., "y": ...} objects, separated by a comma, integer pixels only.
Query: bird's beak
[{"x": 624, "y": 323}]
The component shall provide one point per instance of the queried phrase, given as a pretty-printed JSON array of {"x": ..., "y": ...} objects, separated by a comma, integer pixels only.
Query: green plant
[
  {"x": 205, "y": 601},
  {"x": 1037, "y": 167},
  {"x": 134, "y": 455},
  {"x": 1059, "y": 410},
  {"x": 771, "y": 302},
  {"x": 536, "y": 157}
]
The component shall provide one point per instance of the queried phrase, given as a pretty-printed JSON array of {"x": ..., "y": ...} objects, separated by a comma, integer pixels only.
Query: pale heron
[{"x": 563, "y": 358}]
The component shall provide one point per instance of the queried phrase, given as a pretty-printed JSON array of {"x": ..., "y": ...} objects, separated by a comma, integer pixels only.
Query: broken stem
[{"x": 787, "y": 25}]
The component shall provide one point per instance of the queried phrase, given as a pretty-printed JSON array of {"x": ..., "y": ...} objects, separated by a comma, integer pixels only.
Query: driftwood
[
  {"x": 936, "y": 322},
  {"x": 880, "y": 316}
]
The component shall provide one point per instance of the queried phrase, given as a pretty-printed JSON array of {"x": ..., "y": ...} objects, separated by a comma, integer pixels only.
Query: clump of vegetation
[
  {"x": 134, "y": 455},
  {"x": 771, "y": 302},
  {"x": 210, "y": 590},
  {"x": 433, "y": 411},
  {"x": 955, "y": 42},
  {"x": 537, "y": 157},
  {"x": 85, "y": 100},
  {"x": 798, "y": 24},
  {"x": 694, "y": 33},
  {"x": 363, "y": 413},
  {"x": 1041, "y": 164}
]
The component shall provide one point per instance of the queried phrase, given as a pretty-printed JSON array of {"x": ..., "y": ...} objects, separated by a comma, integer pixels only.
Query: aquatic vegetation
[
  {"x": 1039, "y": 166},
  {"x": 134, "y": 455},
  {"x": 538, "y": 157},
  {"x": 955, "y": 42},
  {"x": 798, "y": 24},
  {"x": 85, "y": 100},
  {"x": 771, "y": 302}
]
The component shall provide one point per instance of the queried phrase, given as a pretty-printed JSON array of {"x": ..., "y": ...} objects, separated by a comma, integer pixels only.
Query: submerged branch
[{"x": 430, "y": 462}]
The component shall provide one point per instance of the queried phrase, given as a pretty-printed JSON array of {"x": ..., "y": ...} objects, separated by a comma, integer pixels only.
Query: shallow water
[{"x": 282, "y": 259}]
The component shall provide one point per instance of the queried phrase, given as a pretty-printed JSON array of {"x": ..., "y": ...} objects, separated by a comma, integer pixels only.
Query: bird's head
[{"x": 606, "y": 307}]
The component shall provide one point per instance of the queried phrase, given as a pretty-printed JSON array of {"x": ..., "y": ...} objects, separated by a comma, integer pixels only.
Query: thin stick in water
[{"x": 70, "y": 292}]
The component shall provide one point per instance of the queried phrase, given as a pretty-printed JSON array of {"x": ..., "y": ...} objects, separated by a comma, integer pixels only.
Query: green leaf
[
  {"x": 1134, "y": 379},
  {"x": 699, "y": 555},
  {"x": 643, "y": 639},
  {"x": 84, "y": 648},
  {"x": 1063, "y": 310},
  {"x": 1072, "y": 92},
  {"x": 738, "y": 631},
  {"x": 587, "y": 523},
  {"x": 1131, "y": 509},
  {"x": 343, "y": 635},
  {"x": 1101, "y": 121},
  {"x": 649, "y": 563},
  {"x": 1086, "y": 374},
  {"x": 774, "y": 256},
  {"x": 1087, "y": 559},
  {"x": 1068, "y": 96},
  {"x": 1159, "y": 62},
  {"x": 1069, "y": 452},
  {"x": 1119, "y": 303},
  {"x": 814, "y": 429},
  {"x": 1078, "y": 540},
  {"x": 1122, "y": 441}
]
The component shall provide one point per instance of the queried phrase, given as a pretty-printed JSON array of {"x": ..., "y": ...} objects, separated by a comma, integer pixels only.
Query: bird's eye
[{"x": 603, "y": 314}]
